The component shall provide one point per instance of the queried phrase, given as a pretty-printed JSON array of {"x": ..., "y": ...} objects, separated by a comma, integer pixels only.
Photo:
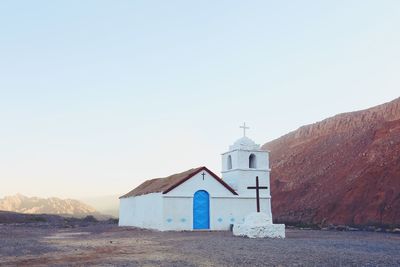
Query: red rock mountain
[{"x": 342, "y": 170}]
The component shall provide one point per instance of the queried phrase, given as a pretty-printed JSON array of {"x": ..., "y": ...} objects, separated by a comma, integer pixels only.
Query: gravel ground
[{"x": 109, "y": 245}]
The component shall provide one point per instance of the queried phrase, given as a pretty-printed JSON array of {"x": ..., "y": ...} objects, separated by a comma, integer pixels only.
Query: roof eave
[{"x": 196, "y": 172}]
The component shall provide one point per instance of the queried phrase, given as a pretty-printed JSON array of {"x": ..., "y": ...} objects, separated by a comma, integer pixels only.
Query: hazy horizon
[{"x": 98, "y": 96}]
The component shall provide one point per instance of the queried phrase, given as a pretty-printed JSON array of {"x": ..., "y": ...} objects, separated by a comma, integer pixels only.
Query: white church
[{"x": 200, "y": 199}]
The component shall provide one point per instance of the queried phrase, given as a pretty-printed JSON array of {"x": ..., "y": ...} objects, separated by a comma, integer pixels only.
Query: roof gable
[{"x": 165, "y": 185}]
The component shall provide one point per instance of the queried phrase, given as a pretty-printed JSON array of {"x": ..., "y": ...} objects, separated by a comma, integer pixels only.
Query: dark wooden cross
[
  {"x": 203, "y": 175},
  {"x": 257, "y": 188}
]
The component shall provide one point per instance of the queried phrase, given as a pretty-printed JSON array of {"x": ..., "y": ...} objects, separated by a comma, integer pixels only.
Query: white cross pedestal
[{"x": 258, "y": 225}]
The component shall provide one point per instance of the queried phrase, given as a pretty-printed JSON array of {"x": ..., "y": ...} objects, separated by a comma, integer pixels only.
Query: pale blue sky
[{"x": 96, "y": 96}]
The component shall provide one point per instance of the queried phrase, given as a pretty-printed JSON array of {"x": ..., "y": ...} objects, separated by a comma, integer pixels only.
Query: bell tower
[{"x": 242, "y": 163}]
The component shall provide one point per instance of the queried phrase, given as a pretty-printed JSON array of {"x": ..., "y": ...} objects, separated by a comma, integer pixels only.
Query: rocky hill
[
  {"x": 34, "y": 205},
  {"x": 342, "y": 170}
]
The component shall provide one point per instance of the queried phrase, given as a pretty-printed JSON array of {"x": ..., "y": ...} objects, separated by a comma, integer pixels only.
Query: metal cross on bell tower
[{"x": 244, "y": 127}]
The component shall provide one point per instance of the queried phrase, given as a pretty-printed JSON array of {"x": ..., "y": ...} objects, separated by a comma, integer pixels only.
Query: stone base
[{"x": 258, "y": 225}]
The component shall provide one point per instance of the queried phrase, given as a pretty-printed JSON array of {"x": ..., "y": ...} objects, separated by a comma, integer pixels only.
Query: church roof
[{"x": 166, "y": 184}]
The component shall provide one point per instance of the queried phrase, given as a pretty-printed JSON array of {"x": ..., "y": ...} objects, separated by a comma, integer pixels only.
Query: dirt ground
[{"x": 109, "y": 245}]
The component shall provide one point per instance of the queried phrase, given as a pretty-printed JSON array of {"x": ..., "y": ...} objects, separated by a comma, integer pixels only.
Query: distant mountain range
[
  {"x": 342, "y": 170},
  {"x": 34, "y": 205},
  {"x": 108, "y": 204}
]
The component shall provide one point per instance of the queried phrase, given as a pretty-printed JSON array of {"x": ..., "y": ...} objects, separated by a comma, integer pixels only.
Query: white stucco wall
[
  {"x": 224, "y": 211},
  {"x": 144, "y": 211},
  {"x": 227, "y": 211},
  {"x": 177, "y": 213},
  {"x": 241, "y": 179}
]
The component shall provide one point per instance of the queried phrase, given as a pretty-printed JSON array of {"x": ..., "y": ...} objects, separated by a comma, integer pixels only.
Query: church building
[{"x": 200, "y": 199}]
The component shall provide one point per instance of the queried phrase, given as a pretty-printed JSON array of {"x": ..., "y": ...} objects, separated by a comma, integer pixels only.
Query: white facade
[{"x": 174, "y": 210}]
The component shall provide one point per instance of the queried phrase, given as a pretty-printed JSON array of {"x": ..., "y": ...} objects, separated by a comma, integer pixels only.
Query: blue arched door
[{"x": 201, "y": 210}]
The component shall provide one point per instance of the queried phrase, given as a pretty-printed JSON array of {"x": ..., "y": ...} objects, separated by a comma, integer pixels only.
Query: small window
[
  {"x": 252, "y": 161},
  {"x": 229, "y": 163}
]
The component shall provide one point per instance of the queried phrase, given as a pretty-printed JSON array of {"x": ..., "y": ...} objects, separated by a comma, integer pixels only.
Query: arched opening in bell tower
[
  {"x": 252, "y": 161},
  {"x": 229, "y": 163}
]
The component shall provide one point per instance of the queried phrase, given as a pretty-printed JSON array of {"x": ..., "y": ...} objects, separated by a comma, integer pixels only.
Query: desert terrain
[{"x": 106, "y": 244}]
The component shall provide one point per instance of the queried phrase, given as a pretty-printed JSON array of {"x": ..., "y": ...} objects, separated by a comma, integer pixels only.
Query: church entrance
[{"x": 201, "y": 210}]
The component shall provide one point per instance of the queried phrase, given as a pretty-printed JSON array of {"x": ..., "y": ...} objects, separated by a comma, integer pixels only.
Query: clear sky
[{"x": 97, "y": 96}]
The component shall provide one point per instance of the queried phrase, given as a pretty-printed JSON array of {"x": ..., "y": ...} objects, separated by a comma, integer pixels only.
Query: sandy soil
[{"x": 109, "y": 245}]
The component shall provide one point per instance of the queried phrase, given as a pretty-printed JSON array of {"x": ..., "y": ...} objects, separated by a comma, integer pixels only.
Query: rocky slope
[
  {"x": 34, "y": 205},
  {"x": 342, "y": 170}
]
